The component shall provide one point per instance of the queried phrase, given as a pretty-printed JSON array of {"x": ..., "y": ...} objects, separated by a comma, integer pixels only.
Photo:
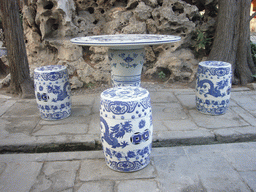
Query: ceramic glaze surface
[
  {"x": 125, "y": 40},
  {"x": 126, "y": 128},
  {"x": 213, "y": 87},
  {"x": 126, "y": 53},
  {"x": 126, "y": 66},
  {"x": 52, "y": 90}
]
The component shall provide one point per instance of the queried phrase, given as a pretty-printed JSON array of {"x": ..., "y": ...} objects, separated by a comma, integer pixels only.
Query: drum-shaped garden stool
[
  {"x": 52, "y": 92},
  {"x": 213, "y": 87},
  {"x": 126, "y": 128}
]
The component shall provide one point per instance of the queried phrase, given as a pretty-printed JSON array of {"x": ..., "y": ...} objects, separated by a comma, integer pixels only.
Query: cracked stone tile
[
  {"x": 23, "y": 125},
  {"x": 23, "y": 109},
  {"x": 180, "y": 125},
  {"x": 148, "y": 185},
  {"x": 168, "y": 111},
  {"x": 65, "y": 129},
  {"x": 163, "y": 97},
  {"x": 99, "y": 171},
  {"x": 97, "y": 186},
  {"x": 230, "y": 119},
  {"x": 19, "y": 176},
  {"x": 56, "y": 176}
]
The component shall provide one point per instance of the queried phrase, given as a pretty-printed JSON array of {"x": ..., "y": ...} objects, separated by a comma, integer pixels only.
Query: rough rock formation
[{"x": 50, "y": 24}]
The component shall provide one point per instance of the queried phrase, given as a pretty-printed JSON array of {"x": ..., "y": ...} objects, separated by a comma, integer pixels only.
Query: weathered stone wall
[{"x": 50, "y": 24}]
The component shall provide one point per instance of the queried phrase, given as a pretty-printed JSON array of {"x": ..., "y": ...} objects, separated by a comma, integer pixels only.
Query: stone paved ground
[
  {"x": 200, "y": 167},
  {"x": 211, "y": 168},
  {"x": 175, "y": 119}
]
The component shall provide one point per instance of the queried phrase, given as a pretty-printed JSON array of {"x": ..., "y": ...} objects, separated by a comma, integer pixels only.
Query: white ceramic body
[
  {"x": 53, "y": 93},
  {"x": 213, "y": 87},
  {"x": 126, "y": 66},
  {"x": 126, "y": 128}
]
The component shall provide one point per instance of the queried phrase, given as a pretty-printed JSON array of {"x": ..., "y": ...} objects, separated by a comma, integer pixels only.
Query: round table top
[{"x": 125, "y": 41}]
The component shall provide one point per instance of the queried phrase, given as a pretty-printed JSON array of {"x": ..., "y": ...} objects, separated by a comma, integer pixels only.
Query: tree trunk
[
  {"x": 232, "y": 39},
  {"x": 20, "y": 77}
]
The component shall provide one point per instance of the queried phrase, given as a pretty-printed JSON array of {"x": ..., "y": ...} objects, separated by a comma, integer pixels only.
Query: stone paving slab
[
  {"x": 211, "y": 168},
  {"x": 175, "y": 120}
]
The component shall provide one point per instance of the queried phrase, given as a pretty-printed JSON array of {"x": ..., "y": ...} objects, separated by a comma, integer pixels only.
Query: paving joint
[{"x": 176, "y": 122}]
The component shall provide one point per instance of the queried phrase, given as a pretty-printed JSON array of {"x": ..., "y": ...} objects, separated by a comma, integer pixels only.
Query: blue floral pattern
[
  {"x": 52, "y": 92},
  {"x": 126, "y": 127},
  {"x": 142, "y": 123},
  {"x": 130, "y": 161},
  {"x": 213, "y": 87},
  {"x": 126, "y": 67},
  {"x": 120, "y": 101}
]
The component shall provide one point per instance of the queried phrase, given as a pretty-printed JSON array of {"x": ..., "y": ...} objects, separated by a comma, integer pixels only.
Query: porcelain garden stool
[
  {"x": 126, "y": 128},
  {"x": 52, "y": 90},
  {"x": 213, "y": 87}
]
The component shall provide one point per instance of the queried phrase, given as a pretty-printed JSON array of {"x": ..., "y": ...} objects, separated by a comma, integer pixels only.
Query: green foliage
[
  {"x": 201, "y": 40},
  {"x": 253, "y": 51},
  {"x": 89, "y": 85},
  {"x": 21, "y": 18},
  {"x": 162, "y": 75}
]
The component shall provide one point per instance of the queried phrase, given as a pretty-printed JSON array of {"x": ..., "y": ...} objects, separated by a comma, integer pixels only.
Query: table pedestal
[{"x": 126, "y": 66}]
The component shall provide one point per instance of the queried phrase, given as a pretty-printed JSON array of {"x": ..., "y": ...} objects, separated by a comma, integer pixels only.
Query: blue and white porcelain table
[{"x": 126, "y": 53}]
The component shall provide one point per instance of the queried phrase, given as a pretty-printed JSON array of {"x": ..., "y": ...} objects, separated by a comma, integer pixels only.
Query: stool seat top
[
  {"x": 126, "y": 93},
  {"x": 50, "y": 68},
  {"x": 214, "y": 64}
]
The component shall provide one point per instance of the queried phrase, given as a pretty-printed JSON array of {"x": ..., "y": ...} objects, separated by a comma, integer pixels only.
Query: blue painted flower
[
  {"x": 119, "y": 155},
  {"x": 131, "y": 154},
  {"x": 207, "y": 102},
  {"x": 122, "y": 55},
  {"x": 146, "y": 150},
  {"x": 50, "y": 89},
  {"x": 54, "y": 107},
  {"x": 215, "y": 103},
  {"x": 142, "y": 124},
  {"x": 56, "y": 89},
  {"x": 134, "y": 65},
  {"x": 128, "y": 59},
  {"x": 47, "y": 107},
  {"x": 41, "y": 88},
  {"x": 108, "y": 152},
  {"x": 118, "y": 108},
  {"x": 124, "y": 144}
]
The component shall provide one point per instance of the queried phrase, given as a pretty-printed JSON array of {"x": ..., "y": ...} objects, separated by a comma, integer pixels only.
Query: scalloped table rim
[{"x": 125, "y": 41}]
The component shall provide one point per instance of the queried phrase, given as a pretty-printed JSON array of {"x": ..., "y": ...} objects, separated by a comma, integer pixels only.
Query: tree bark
[
  {"x": 21, "y": 82},
  {"x": 232, "y": 39}
]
